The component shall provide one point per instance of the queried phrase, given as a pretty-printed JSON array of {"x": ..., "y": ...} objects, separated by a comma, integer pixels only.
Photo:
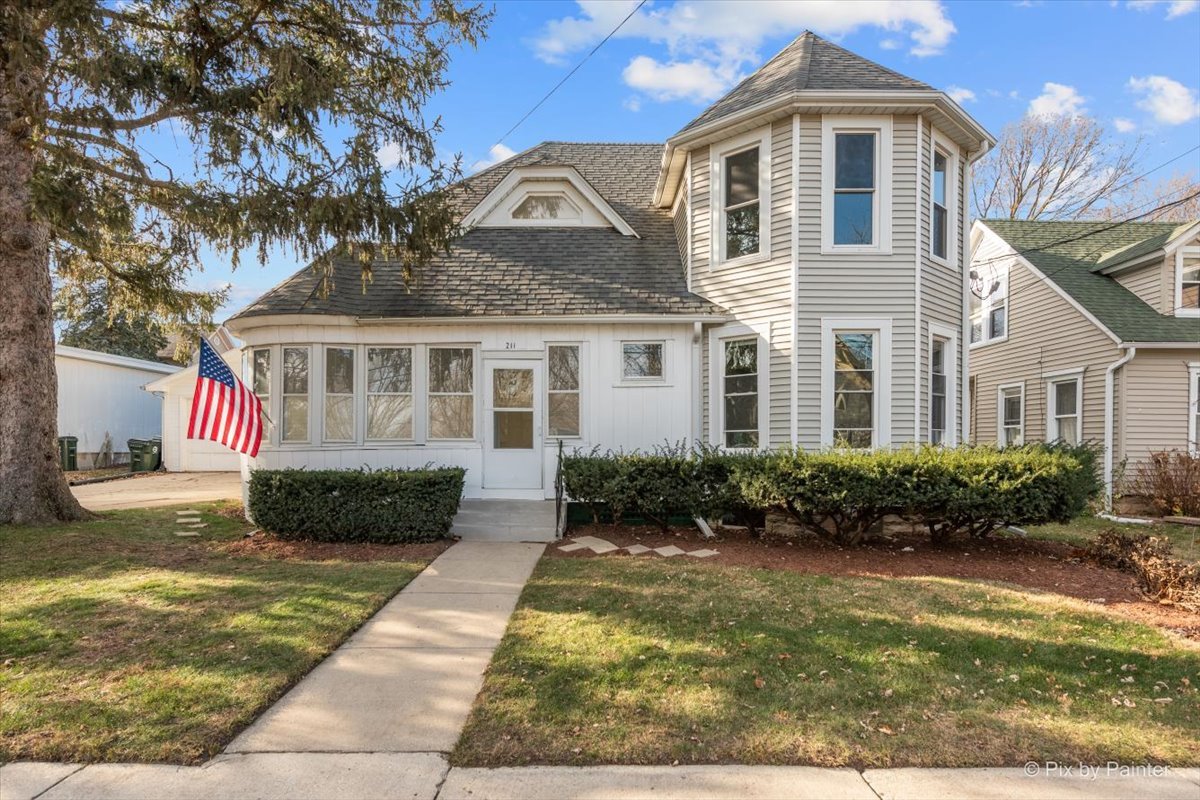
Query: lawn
[
  {"x": 645, "y": 660},
  {"x": 1185, "y": 539},
  {"x": 121, "y": 642}
]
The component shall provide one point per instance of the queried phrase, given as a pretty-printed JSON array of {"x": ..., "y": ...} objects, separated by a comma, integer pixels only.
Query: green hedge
[
  {"x": 844, "y": 495},
  {"x": 383, "y": 506}
]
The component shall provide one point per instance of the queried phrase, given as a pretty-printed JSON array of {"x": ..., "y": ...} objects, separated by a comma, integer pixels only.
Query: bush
[
  {"x": 384, "y": 506},
  {"x": 1149, "y": 560},
  {"x": 1170, "y": 481}
]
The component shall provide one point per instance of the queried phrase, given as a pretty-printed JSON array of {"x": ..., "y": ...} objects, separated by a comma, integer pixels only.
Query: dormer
[
  {"x": 546, "y": 196},
  {"x": 1162, "y": 267}
]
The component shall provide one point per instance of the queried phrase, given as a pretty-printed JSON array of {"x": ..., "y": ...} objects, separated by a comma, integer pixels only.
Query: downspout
[
  {"x": 697, "y": 388},
  {"x": 1109, "y": 422}
]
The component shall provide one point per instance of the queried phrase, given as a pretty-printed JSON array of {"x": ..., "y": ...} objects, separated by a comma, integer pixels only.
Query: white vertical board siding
[
  {"x": 96, "y": 398},
  {"x": 614, "y": 415},
  {"x": 1155, "y": 411},
  {"x": 181, "y": 454}
]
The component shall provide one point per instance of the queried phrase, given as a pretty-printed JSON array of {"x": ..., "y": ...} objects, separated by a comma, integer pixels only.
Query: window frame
[
  {"x": 760, "y": 138},
  {"x": 881, "y": 127},
  {"x": 551, "y": 437},
  {"x": 716, "y": 359},
  {"x": 1194, "y": 408},
  {"x": 1053, "y": 379},
  {"x": 948, "y": 335},
  {"x": 1181, "y": 254},
  {"x": 626, "y": 380},
  {"x": 368, "y": 394},
  {"x": 987, "y": 305},
  {"x": 549, "y": 222},
  {"x": 881, "y": 328},
  {"x": 326, "y": 394},
  {"x": 308, "y": 395},
  {"x": 1000, "y": 426},
  {"x": 940, "y": 144},
  {"x": 476, "y": 367}
]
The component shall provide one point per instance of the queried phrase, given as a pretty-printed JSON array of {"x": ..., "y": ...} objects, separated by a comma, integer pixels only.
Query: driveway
[{"x": 160, "y": 489}]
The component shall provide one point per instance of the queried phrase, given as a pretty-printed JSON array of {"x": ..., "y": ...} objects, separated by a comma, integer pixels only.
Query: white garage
[{"x": 181, "y": 454}]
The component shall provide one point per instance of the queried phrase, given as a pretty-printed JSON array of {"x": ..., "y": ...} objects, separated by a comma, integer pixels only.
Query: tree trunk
[{"x": 32, "y": 486}]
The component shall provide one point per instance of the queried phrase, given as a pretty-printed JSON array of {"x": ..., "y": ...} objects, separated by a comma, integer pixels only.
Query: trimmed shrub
[
  {"x": 1170, "y": 481},
  {"x": 382, "y": 506},
  {"x": 1149, "y": 559}
]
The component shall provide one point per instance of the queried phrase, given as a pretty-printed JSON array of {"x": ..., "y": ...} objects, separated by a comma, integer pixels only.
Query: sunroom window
[
  {"x": 563, "y": 390},
  {"x": 854, "y": 189},
  {"x": 261, "y": 376},
  {"x": 940, "y": 212},
  {"x": 295, "y": 394},
  {"x": 339, "y": 394},
  {"x": 389, "y": 393},
  {"x": 741, "y": 207},
  {"x": 451, "y": 393}
]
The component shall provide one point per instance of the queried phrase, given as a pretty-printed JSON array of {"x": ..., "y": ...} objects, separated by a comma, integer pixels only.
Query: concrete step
[{"x": 505, "y": 521}]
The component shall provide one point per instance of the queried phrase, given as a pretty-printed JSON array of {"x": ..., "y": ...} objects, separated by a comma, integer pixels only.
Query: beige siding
[
  {"x": 1155, "y": 395},
  {"x": 1150, "y": 284},
  {"x": 1046, "y": 334}
]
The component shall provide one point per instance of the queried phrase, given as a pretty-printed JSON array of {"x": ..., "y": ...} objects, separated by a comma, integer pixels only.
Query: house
[
  {"x": 101, "y": 403},
  {"x": 1087, "y": 331},
  {"x": 789, "y": 268},
  {"x": 181, "y": 454}
]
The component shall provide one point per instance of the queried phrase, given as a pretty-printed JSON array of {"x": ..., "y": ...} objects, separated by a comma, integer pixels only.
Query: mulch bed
[
  {"x": 1033, "y": 563},
  {"x": 270, "y": 546}
]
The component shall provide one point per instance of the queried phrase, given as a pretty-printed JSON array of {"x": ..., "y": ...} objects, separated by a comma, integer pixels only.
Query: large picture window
[
  {"x": 740, "y": 387},
  {"x": 389, "y": 393},
  {"x": 451, "y": 393},
  {"x": 563, "y": 390},
  {"x": 854, "y": 387},
  {"x": 295, "y": 394},
  {"x": 1065, "y": 403},
  {"x": 339, "y": 394}
]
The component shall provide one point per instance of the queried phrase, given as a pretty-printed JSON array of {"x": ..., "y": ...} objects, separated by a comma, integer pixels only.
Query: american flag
[{"x": 223, "y": 409}]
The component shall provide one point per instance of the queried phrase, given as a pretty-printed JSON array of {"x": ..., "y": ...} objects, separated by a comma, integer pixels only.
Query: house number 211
[{"x": 510, "y": 345}]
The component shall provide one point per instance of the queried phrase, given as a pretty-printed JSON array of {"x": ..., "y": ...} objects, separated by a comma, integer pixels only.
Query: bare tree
[
  {"x": 1180, "y": 194},
  {"x": 1054, "y": 167}
]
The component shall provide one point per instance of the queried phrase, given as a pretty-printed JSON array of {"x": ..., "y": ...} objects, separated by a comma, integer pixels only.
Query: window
[
  {"x": 741, "y": 206},
  {"x": 937, "y": 391},
  {"x": 740, "y": 388},
  {"x": 1010, "y": 415},
  {"x": 854, "y": 389},
  {"x": 941, "y": 215},
  {"x": 389, "y": 393},
  {"x": 339, "y": 394},
  {"x": 642, "y": 361},
  {"x": 1064, "y": 402},
  {"x": 547, "y": 206},
  {"x": 1194, "y": 409},
  {"x": 989, "y": 303},
  {"x": 1187, "y": 288},
  {"x": 451, "y": 393},
  {"x": 856, "y": 184},
  {"x": 295, "y": 394},
  {"x": 854, "y": 189},
  {"x": 260, "y": 378},
  {"x": 563, "y": 390}
]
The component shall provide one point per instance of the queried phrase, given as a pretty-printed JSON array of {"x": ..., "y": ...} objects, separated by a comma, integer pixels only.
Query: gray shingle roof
[
  {"x": 808, "y": 63},
  {"x": 1071, "y": 265},
  {"x": 495, "y": 272}
]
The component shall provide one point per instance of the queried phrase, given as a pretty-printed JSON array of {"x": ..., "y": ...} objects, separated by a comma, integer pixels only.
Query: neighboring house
[
  {"x": 1087, "y": 331},
  {"x": 100, "y": 395},
  {"x": 788, "y": 269},
  {"x": 181, "y": 454}
]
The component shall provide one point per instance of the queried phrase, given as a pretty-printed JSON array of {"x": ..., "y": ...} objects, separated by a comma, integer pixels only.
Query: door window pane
[
  {"x": 512, "y": 388},
  {"x": 642, "y": 360},
  {"x": 514, "y": 430},
  {"x": 295, "y": 394},
  {"x": 741, "y": 393},
  {"x": 563, "y": 390},
  {"x": 451, "y": 393},
  {"x": 854, "y": 389}
]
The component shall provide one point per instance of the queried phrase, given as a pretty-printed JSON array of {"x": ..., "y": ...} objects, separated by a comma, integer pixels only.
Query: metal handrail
[{"x": 559, "y": 512}]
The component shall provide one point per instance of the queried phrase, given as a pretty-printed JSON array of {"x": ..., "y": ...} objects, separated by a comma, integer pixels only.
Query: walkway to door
[{"x": 505, "y": 521}]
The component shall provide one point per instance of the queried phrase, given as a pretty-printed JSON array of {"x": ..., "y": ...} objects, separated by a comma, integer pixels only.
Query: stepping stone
[
  {"x": 186, "y": 533},
  {"x": 188, "y": 512},
  {"x": 637, "y": 549},
  {"x": 186, "y": 520},
  {"x": 668, "y": 551},
  {"x": 601, "y": 547},
  {"x": 589, "y": 541},
  {"x": 572, "y": 547},
  {"x": 703, "y": 553},
  {"x": 198, "y": 525}
]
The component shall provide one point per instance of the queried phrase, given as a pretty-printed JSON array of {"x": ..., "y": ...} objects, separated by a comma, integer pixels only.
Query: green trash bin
[
  {"x": 68, "y": 452},
  {"x": 137, "y": 451},
  {"x": 152, "y": 454}
]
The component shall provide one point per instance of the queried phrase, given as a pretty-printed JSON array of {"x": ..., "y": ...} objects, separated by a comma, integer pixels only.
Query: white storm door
[{"x": 512, "y": 424}]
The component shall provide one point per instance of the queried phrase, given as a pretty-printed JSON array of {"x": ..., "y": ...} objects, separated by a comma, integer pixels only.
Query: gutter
[{"x": 1109, "y": 423}]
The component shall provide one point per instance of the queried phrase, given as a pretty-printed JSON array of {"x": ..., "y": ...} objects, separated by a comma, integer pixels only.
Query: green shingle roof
[{"x": 1069, "y": 254}]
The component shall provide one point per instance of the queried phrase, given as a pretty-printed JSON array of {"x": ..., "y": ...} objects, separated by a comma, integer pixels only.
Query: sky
[{"x": 1133, "y": 65}]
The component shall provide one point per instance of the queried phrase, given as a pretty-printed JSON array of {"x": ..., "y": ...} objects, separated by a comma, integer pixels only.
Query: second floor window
[
  {"x": 989, "y": 303},
  {"x": 1189, "y": 281},
  {"x": 940, "y": 211},
  {"x": 854, "y": 189},
  {"x": 741, "y": 207}
]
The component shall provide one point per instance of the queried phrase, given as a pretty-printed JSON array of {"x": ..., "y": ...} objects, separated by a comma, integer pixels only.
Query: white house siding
[
  {"x": 1046, "y": 334},
  {"x": 97, "y": 397},
  {"x": 1155, "y": 403},
  {"x": 181, "y": 454},
  {"x": 614, "y": 415}
]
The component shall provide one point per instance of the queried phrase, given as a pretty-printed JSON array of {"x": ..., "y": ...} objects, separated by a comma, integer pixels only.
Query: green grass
[
  {"x": 651, "y": 661},
  {"x": 120, "y": 641},
  {"x": 1185, "y": 539}
]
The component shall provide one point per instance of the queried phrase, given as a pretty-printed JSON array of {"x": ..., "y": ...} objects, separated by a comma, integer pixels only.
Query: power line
[{"x": 574, "y": 69}]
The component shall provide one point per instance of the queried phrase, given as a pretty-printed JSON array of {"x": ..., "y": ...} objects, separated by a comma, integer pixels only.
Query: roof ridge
[{"x": 872, "y": 62}]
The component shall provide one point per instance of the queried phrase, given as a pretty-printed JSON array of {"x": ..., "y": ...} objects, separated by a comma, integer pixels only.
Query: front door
[{"x": 512, "y": 448}]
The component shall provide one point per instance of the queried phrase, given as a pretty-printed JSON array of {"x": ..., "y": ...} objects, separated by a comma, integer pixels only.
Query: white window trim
[
  {"x": 716, "y": 393},
  {"x": 277, "y": 407},
  {"x": 550, "y": 438},
  {"x": 882, "y": 328},
  {"x": 882, "y": 223},
  {"x": 537, "y": 178},
  {"x": 1193, "y": 407},
  {"x": 1005, "y": 270},
  {"x": 1000, "y": 412},
  {"x": 624, "y": 380},
  {"x": 477, "y": 390},
  {"x": 950, "y": 335},
  {"x": 355, "y": 393},
  {"x": 367, "y": 394},
  {"x": 937, "y": 143},
  {"x": 1180, "y": 254},
  {"x": 761, "y": 139},
  {"x": 1062, "y": 376}
]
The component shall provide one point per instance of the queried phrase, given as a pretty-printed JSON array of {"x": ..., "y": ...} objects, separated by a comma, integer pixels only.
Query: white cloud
[
  {"x": 1175, "y": 8},
  {"x": 709, "y": 45},
  {"x": 1124, "y": 125},
  {"x": 1169, "y": 101},
  {"x": 1057, "y": 98},
  {"x": 960, "y": 95},
  {"x": 633, "y": 104},
  {"x": 390, "y": 155},
  {"x": 891, "y": 44},
  {"x": 496, "y": 153}
]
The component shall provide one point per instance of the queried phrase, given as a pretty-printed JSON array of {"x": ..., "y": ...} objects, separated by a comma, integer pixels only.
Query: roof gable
[{"x": 495, "y": 209}]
